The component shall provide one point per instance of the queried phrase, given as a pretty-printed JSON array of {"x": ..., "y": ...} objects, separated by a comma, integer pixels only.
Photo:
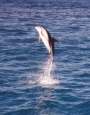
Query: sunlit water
[{"x": 31, "y": 82}]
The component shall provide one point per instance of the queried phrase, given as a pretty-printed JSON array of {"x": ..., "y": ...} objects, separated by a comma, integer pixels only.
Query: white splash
[{"x": 47, "y": 78}]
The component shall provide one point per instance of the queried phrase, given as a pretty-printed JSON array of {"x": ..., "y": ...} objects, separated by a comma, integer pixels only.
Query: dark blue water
[{"x": 30, "y": 82}]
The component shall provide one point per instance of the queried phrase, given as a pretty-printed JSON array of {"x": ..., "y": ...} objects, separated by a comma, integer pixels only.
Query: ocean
[{"x": 31, "y": 83}]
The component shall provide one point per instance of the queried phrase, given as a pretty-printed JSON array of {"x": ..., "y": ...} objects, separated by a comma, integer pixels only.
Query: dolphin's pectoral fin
[{"x": 39, "y": 38}]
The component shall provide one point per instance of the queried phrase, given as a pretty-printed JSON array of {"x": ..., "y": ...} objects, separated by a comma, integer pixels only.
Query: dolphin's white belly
[{"x": 46, "y": 42}]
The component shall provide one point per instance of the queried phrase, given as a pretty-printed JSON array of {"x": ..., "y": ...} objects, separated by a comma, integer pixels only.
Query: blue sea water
[{"x": 30, "y": 82}]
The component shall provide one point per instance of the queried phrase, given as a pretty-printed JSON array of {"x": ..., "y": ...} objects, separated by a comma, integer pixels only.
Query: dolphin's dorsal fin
[{"x": 54, "y": 40}]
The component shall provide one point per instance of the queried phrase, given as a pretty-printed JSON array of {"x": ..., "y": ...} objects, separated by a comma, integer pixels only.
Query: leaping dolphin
[{"x": 46, "y": 38}]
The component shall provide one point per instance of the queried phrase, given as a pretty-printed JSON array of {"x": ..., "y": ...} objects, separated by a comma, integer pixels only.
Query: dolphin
[{"x": 46, "y": 38}]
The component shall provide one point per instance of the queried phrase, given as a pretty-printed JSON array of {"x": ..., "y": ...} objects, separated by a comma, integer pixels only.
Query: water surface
[{"x": 30, "y": 82}]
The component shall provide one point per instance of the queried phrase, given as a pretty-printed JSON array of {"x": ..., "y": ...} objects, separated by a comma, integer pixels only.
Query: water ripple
[{"x": 30, "y": 82}]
